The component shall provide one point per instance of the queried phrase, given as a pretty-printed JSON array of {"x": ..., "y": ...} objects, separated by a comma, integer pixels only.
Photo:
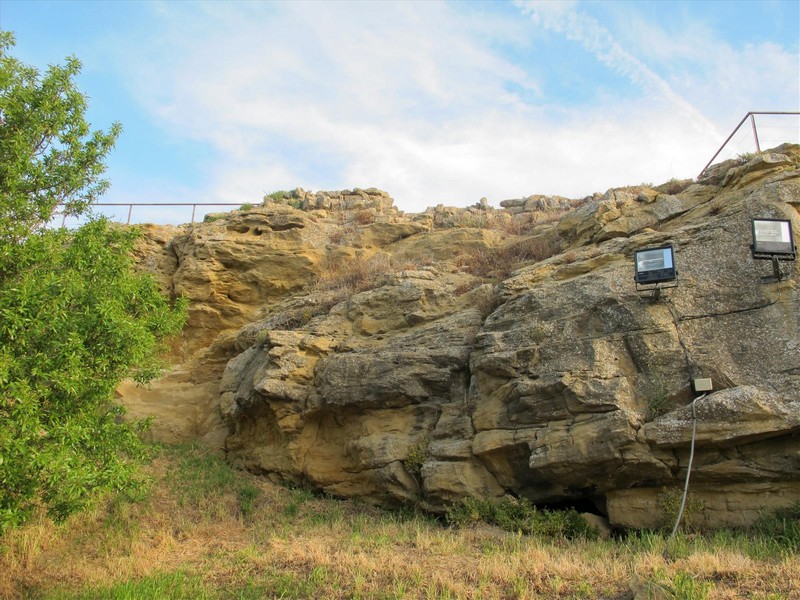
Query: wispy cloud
[
  {"x": 565, "y": 18},
  {"x": 719, "y": 78},
  {"x": 420, "y": 99},
  {"x": 331, "y": 90}
]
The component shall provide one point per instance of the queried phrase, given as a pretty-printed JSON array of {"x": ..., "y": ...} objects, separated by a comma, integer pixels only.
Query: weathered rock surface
[{"x": 337, "y": 343}]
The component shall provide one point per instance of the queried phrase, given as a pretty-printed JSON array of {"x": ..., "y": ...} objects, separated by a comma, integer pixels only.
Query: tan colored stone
[
  {"x": 446, "y": 482},
  {"x": 734, "y": 505},
  {"x": 189, "y": 412},
  {"x": 599, "y": 524},
  {"x": 734, "y": 416},
  {"x": 446, "y": 244}
]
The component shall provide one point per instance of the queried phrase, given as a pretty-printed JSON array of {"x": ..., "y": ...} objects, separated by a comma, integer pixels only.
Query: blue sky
[{"x": 434, "y": 102}]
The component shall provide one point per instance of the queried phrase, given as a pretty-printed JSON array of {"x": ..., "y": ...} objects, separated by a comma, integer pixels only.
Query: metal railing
[
  {"x": 130, "y": 206},
  {"x": 752, "y": 117}
]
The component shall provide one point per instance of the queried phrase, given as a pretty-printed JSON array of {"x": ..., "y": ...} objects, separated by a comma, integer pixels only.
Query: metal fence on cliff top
[
  {"x": 771, "y": 129},
  {"x": 130, "y": 206}
]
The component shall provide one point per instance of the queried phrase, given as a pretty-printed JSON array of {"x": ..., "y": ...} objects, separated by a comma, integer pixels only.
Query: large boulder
[{"x": 346, "y": 412}]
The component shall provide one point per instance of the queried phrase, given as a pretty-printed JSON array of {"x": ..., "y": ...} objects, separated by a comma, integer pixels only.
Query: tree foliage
[
  {"x": 48, "y": 156},
  {"x": 75, "y": 315}
]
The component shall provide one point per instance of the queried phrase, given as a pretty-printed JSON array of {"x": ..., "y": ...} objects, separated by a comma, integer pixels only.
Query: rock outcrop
[{"x": 335, "y": 342}]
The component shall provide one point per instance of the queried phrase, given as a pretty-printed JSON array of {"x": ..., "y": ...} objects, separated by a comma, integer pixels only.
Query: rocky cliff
[{"x": 335, "y": 342}]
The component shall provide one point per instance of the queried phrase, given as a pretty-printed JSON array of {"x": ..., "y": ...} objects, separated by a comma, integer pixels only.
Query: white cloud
[
  {"x": 413, "y": 98},
  {"x": 345, "y": 85},
  {"x": 722, "y": 79},
  {"x": 758, "y": 77}
]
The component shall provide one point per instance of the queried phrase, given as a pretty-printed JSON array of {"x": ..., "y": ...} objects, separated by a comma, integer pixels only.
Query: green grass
[
  {"x": 202, "y": 529},
  {"x": 299, "y": 496},
  {"x": 203, "y": 477},
  {"x": 273, "y": 584},
  {"x": 765, "y": 541},
  {"x": 781, "y": 528},
  {"x": 180, "y": 586},
  {"x": 677, "y": 586},
  {"x": 519, "y": 515},
  {"x": 175, "y": 586},
  {"x": 277, "y": 195}
]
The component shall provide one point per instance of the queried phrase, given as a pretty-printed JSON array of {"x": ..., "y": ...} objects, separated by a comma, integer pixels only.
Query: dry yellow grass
[{"x": 288, "y": 543}]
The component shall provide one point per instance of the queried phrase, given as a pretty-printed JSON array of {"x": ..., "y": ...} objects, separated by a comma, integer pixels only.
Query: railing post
[
  {"x": 752, "y": 116},
  {"x": 130, "y": 210},
  {"x": 193, "y": 207},
  {"x": 716, "y": 154},
  {"x": 755, "y": 132}
]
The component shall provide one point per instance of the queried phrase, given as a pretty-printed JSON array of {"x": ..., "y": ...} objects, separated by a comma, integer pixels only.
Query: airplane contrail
[{"x": 577, "y": 26}]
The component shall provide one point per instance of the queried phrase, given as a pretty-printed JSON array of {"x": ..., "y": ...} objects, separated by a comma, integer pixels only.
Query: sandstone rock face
[{"x": 367, "y": 355}]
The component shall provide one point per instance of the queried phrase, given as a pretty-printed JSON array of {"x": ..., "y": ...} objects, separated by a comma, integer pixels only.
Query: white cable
[{"x": 688, "y": 473}]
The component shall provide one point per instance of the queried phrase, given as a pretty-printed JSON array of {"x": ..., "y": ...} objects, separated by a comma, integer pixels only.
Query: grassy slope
[{"x": 203, "y": 530}]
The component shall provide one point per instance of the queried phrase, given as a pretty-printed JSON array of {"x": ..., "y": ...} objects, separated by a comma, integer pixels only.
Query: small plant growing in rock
[
  {"x": 487, "y": 304},
  {"x": 538, "y": 334},
  {"x": 246, "y": 206},
  {"x": 289, "y": 320},
  {"x": 746, "y": 157},
  {"x": 357, "y": 274},
  {"x": 519, "y": 515},
  {"x": 342, "y": 235},
  {"x": 417, "y": 456},
  {"x": 499, "y": 263},
  {"x": 658, "y": 402},
  {"x": 674, "y": 186},
  {"x": 477, "y": 221},
  {"x": 465, "y": 287},
  {"x": 520, "y": 224},
  {"x": 276, "y": 195},
  {"x": 670, "y": 503},
  {"x": 656, "y": 406},
  {"x": 364, "y": 217}
]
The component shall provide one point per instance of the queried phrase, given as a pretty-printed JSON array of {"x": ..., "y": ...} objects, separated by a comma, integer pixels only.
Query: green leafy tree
[
  {"x": 48, "y": 156},
  {"x": 76, "y": 317}
]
